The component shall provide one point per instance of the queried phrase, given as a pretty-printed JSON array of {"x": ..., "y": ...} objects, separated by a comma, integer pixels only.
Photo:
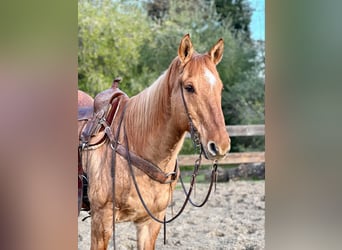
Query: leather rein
[{"x": 154, "y": 171}]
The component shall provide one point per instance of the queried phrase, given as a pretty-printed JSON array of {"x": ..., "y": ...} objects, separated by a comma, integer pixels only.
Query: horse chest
[{"x": 133, "y": 210}]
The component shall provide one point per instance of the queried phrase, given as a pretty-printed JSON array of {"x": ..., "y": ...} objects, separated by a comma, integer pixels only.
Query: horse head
[{"x": 197, "y": 95}]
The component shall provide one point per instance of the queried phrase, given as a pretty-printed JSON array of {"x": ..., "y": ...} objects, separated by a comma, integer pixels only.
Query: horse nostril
[{"x": 212, "y": 148}]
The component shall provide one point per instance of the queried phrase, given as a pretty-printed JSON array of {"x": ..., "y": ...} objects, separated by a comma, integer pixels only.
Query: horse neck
[{"x": 152, "y": 128}]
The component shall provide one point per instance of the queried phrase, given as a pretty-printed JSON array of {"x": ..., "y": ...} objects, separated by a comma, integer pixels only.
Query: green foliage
[
  {"x": 157, "y": 9},
  {"x": 188, "y": 147},
  {"x": 237, "y": 14},
  {"x": 243, "y": 98},
  {"x": 203, "y": 27},
  {"x": 110, "y": 38}
]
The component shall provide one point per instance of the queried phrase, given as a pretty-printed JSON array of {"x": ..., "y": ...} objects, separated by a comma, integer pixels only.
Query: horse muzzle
[{"x": 213, "y": 151}]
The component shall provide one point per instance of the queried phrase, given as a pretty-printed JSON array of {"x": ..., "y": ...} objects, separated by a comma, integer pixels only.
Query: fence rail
[
  {"x": 233, "y": 158},
  {"x": 243, "y": 130},
  {"x": 246, "y": 130}
]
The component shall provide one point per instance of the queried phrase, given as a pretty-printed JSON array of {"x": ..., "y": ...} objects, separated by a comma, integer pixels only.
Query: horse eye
[{"x": 189, "y": 88}]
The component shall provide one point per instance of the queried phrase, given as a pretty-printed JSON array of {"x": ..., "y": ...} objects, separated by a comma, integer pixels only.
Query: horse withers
[{"x": 152, "y": 126}]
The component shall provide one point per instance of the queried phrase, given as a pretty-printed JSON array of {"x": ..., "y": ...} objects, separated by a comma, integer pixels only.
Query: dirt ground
[{"x": 233, "y": 218}]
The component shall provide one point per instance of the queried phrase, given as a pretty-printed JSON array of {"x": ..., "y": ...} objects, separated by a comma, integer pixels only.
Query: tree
[
  {"x": 203, "y": 26},
  {"x": 110, "y": 38},
  {"x": 237, "y": 13},
  {"x": 157, "y": 9}
]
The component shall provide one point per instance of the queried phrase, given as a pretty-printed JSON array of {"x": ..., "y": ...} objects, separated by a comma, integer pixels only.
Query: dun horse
[{"x": 152, "y": 127}]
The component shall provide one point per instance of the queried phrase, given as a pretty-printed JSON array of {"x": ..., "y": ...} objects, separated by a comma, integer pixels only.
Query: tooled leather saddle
[{"x": 91, "y": 116}]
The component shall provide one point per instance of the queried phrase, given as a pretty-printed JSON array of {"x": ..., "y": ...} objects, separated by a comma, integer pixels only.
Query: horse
[{"x": 152, "y": 125}]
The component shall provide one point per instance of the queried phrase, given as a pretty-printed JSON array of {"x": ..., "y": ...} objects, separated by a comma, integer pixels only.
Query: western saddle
[{"x": 94, "y": 116}]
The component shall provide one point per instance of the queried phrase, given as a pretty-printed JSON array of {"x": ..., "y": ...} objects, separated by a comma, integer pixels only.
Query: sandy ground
[{"x": 233, "y": 218}]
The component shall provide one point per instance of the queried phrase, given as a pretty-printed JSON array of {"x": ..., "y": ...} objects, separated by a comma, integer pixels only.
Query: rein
[
  {"x": 139, "y": 193},
  {"x": 114, "y": 143},
  {"x": 187, "y": 193},
  {"x": 213, "y": 180}
]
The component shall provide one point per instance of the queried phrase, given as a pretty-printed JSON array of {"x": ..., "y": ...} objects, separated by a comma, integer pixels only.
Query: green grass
[
  {"x": 191, "y": 168},
  {"x": 199, "y": 179}
]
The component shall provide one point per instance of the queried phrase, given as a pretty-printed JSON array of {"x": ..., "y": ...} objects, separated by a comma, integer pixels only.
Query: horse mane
[{"x": 150, "y": 108}]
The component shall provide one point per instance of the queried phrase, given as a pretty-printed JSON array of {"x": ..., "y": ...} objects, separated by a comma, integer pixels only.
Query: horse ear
[
  {"x": 185, "y": 49},
  {"x": 216, "y": 52}
]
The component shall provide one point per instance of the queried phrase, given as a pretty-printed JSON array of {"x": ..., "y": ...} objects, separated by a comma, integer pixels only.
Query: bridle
[
  {"x": 196, "y": 139},
  {"x": 195, "y": 136}
]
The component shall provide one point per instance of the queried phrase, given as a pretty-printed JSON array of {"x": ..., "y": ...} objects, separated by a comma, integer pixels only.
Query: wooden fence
[{"x": 233, "y": 158}]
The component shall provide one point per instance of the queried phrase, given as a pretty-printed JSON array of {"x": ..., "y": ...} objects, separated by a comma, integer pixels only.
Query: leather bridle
[{"x": 195, "y": 135}]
